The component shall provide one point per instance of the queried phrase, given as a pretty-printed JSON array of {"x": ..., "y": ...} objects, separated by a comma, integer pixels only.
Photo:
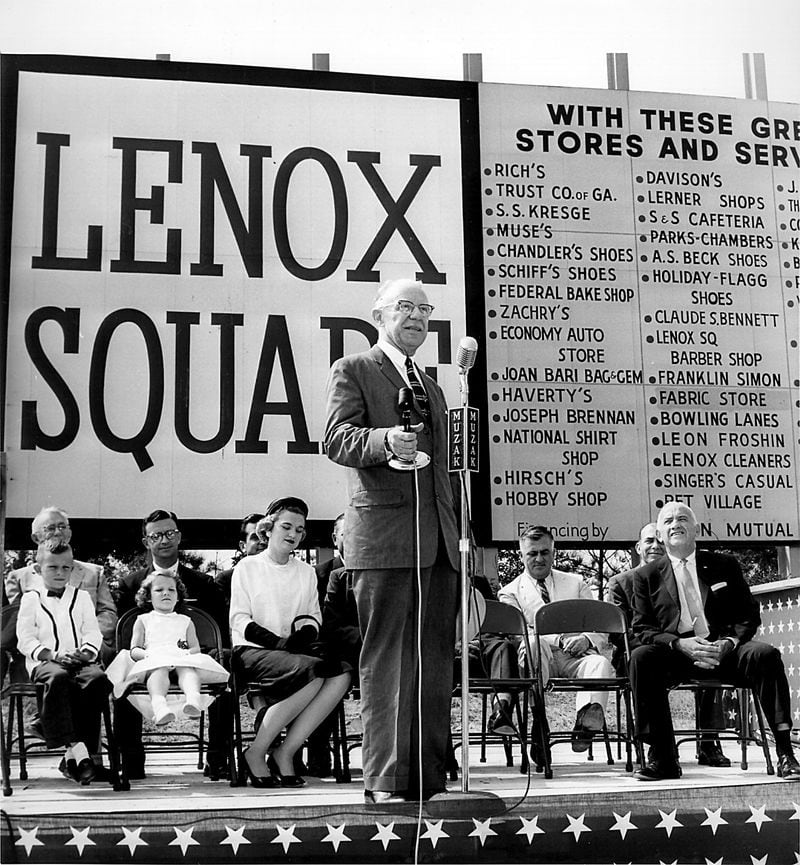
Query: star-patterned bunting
[
  {"x": 780, "y": 616},
  {"x": 482, "y": 830},
  {"x": 80, "y": 839},
  {"x": 335, "y": 836},
  {"x": 183, "y": 839},
  {"x": 530, "y": 828},
  {"x": 669, "y": 822},
  {"x": 285, "y": 837},
  {"x": 576, "y": 826},
  {"x": 758, "y": 816},
  {"x": 131, "y": 840},
  {"x": 28, "y": 839},
  {"x": 623, "y": 825},
  {"x": 434, "y": 832},
  {"x": 714, "y": 819},
  {"x": 385, "y": 834},
  {"x": 234, "y": 837}
]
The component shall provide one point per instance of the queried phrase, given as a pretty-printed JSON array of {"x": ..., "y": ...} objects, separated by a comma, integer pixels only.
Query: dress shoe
[
  {"x": 500, "y": 722},
  {"x": 215, "y": 770},
  {"x": 101, "y": 773},
  {"x": 711, "y": 755},
  {"x": 657, "y": 770},
  {"x": 383, "y": 797},
  {"x": 82, "y": 772},
  {"x": 788, "y": 767},
  {"x": 35, "y": 730},
  {"x": 283, "y": 780},
  {"x": 319, "y": 768},
  {"x": 261, "y": 782},
  {"x": 589, "y": 720}
]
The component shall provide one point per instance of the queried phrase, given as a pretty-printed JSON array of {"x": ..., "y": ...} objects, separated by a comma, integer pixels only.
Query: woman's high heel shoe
[
  {"x": 260, "y": 781},
  {"x": 281, "y": 779}
]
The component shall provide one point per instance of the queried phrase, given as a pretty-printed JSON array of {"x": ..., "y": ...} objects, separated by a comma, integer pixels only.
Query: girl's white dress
[{"x": 165, "y": 644}]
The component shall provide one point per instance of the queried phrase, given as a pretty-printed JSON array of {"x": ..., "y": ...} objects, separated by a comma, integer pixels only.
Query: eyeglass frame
[
  {"x": 420, "y": 306},
  {"x": 169, "y": 534}
]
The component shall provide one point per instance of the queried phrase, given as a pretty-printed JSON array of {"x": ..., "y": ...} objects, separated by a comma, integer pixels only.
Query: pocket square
[{"x": 717, "y": 586}]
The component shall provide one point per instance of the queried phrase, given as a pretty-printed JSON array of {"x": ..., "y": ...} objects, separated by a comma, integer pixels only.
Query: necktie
[
  {"x": 55, "y": 593},
  {"x": 543, "y": 592},
  {"x": 419, "y": 391},
  {"x": 693, "y": 602}
]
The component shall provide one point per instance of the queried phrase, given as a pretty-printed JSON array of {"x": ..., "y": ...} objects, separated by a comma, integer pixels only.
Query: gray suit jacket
[{"x": 378, "y": 528}]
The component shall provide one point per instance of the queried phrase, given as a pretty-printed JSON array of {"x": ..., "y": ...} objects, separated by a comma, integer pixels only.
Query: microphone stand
[{"x": 467, "y": 802}]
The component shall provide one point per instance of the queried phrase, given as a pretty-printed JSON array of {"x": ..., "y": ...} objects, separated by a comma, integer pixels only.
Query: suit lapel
[
  {"x": 669, "y": 581},
  {"x": 703, "y": 576},
  {"x": 387, "y": 368}
]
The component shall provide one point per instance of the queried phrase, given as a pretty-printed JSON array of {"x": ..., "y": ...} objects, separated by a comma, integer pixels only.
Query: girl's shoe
[
  {"x": 164, "y": 716},
  {"x": 191, "y": 710}
]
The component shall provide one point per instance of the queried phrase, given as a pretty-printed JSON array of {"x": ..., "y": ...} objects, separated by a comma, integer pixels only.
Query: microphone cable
[{"x": 418, "y": 568}]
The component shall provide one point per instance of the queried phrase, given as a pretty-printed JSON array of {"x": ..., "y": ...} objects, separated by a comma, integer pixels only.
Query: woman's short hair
[
  {"x": 289, "y": 503},
  {"x": 144, "y": 597}
]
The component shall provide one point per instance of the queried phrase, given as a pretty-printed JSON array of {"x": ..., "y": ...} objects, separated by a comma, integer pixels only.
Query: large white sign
[
  {"x": 642, "y": 274},
  {"x": 187, "y": 259}
]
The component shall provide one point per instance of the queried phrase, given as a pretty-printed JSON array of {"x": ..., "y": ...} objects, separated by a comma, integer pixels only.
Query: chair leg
[
  {"x": 522, "y": 728},
  {"x": 484, "y": 698},
  {"x": 23, "y": 759},
  {"x": 5, "y": 766},
  {"x": 609, "y": 758},
  {"x": 762, "y": 732}
]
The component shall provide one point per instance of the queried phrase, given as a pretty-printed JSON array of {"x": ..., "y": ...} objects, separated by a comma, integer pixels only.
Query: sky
[{"x": 681, "y": 46}]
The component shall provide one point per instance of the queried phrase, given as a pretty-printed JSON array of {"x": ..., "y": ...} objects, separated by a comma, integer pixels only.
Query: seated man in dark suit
[
  {"x": 325, "y": 569},
  {"x": 161, "y": 537},
  {"x": 619, "y": 591},
  {"x": 696, "y": 618},
  {"x": 250, "y": 543}
]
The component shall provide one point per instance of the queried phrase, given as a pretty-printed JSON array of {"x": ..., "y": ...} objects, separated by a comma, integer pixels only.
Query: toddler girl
[{"x": 164, "y": 640}]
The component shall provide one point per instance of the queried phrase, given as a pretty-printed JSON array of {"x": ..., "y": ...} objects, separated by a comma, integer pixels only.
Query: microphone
[
  {"x": 465, "y": 355},
  {"x": 405, "y": 402}
]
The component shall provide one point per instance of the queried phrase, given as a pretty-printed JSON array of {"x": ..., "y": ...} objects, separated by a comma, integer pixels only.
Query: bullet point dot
[
  {"x": 648, "y": 319},
  {"x": 491, "y": 292},
  {"x": 495, "y": 376}
]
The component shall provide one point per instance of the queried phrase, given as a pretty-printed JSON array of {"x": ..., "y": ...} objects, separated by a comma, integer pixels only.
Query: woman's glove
[{"x": 300, "y": 641}]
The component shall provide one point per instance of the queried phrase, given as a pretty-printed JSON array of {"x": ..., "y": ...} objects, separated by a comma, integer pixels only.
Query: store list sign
[{"x": 642, "y": 274}]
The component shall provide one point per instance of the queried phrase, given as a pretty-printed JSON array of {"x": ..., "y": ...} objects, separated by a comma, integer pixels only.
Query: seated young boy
[{"x": 58, "y": 634}]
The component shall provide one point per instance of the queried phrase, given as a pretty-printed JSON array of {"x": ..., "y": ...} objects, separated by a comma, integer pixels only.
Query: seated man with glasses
[{"x": 161, "y": 537}]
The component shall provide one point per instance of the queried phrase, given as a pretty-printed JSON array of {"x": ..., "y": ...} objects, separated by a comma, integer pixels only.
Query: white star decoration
[
  {"x": 385, "y": 834},
  {"x": 285, "y": 837},
  {"x": 796, "y": 857},
  {"x": 80, "y": 839},
  {"x": 668, "y": 821},
  {"x": 623, "y": 824},
  {"x": 758, "y": 816},
  {"x": 482, "y": 830},
  {"x": 761, "y": 861},
  {"x": 718, "y": 862},
  {"x": 530, "y": 828},
  {"x": 335, "y": 836},
  {"x": 434, "y": 833},
  {"x": 796, "y": 815},
  {"x": 28, "y": 839},
  {"x": 235, "y": 838},
  {"x": 662, "y": 862},
  {"x": 132, "y": 840},
  {"x": 183, "y": 839},
  {"x": 714, "y": 819},
  {"x": 576, "y": 826}
]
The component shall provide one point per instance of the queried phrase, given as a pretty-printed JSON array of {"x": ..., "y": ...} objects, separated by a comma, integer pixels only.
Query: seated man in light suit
[
  {"x": 51, "y": 528},
  {"x": 572, "y": 655}
]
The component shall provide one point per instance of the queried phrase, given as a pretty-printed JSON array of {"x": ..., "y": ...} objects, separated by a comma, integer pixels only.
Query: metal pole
[{"x": 463, "y": 546}]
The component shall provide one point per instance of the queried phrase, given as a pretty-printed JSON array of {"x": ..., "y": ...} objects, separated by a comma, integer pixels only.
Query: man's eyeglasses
[
  {"x": 52, "y": 528},
  {"x": 168, "y": 535},
  {"x": 407, "y": 307}
]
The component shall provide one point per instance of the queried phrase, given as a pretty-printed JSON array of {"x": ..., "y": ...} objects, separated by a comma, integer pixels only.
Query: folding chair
[
  {"x": 242, "y": 687},
  {"x": 210, "y": 640},
  {"x": 20, "y": 688},
  {"x": 578, "y": 616},
  {"x": 504, "y": 620},
  {"x": 741, "y": 733}
]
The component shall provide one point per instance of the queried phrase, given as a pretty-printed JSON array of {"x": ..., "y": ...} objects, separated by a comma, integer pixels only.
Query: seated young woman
[{"x": 275, "y": 616}]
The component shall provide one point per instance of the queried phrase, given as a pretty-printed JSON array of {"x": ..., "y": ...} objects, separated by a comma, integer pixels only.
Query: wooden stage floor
[{"x": 588, "y": 813}]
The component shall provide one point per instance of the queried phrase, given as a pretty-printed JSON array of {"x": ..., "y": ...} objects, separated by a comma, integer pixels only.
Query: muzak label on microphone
[{"x": 462, "y": 439}]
